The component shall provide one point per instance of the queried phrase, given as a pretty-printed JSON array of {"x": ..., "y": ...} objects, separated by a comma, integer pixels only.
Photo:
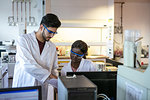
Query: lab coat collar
[
  {"x": 47, "y": 43},
  {"x": 33, "y": 36},
  {"x": 80, "y": 66}
]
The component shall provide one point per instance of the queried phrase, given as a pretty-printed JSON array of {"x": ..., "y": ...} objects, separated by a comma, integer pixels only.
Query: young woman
[{"x": 78, "y": 59}]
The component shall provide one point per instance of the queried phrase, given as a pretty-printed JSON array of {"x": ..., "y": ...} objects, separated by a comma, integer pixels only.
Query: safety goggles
[
  {"x": 49, "y": 30},
  {"x": 79, "y": 55}
]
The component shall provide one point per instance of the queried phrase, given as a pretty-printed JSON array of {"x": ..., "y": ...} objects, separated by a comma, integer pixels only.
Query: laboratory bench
[
  {"x": 64, "y": 60},
  {"x": 144, "y": 60},
  {"x": 97, "y": 60}
]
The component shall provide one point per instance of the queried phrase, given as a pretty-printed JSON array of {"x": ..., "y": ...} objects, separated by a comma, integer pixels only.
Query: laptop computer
[{"x": 21, "y": 93}]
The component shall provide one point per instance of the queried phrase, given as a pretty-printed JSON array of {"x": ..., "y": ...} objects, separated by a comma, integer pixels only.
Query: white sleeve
[
  {"x": 63, "y": 71},
  {"x": 55, "y": 66},
  {"x": 93, "y": 67},
  {"x": 28, "y": 63}
]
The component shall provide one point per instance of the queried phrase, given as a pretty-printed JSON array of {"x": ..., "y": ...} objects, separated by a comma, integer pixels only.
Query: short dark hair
[
  {"x": 50, "y": 20},
  {"x": 82, "y": 46}
]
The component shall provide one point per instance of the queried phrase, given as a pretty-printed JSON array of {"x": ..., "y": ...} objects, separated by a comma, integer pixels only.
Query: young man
[{"x": 36, "y": 58}]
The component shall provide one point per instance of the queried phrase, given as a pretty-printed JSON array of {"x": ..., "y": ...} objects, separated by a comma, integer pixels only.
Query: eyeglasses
[
  {"x": 78, "y": 55},
  {"x": 50, "y": 30}
]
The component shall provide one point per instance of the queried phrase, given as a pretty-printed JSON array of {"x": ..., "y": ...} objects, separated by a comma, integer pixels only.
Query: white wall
[
  {"x": 136, "y": 15},
  {"x": 11, "y": 32},
  {"x": 80, "y": 9},
  {"x": 80, "y": 13},
  {"x": 6, "y": 33},
  {"x": 66, "y": 10}
]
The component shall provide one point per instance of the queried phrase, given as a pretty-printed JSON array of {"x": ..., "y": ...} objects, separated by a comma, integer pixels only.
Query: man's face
[{"x": 48, "y": 33}]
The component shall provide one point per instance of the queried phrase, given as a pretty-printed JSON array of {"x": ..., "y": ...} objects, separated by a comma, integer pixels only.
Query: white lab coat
[
  {"x": 85, "y": 65},
  {"x": 33, "y": 68}
]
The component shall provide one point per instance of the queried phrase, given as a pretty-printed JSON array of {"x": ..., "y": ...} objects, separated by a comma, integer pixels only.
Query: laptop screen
[{"x": 21, "y": 93}]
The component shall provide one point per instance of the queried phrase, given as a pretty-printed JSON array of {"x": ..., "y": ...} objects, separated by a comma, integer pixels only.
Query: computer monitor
[
  {"x": 78, "y": 88},
  {"x": 21, "y": 93},
  {"x": 106, "y": 82}
]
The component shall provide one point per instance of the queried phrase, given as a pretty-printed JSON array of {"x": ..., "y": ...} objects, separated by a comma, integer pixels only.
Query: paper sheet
[{"x": 133, "y": 93}]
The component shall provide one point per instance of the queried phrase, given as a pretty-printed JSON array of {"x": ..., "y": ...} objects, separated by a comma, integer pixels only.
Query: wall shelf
[
  {"x": 91, "y": 23},
  {"x": 88, "y": 43}
]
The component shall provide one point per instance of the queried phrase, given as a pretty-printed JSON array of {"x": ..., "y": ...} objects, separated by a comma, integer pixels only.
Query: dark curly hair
[
  {"x": 50, "y": 20},
  {"x": 82, "y": 46}
]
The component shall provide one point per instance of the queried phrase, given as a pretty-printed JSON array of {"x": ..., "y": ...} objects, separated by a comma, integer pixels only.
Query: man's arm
[{"x": 54, "y": 72}]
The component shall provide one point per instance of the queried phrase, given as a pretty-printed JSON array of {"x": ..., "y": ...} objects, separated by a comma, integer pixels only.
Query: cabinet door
[{"x": 5, "y": 80}]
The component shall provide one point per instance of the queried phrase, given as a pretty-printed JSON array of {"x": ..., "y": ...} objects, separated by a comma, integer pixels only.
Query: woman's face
[{"x": 76, "y": 58}]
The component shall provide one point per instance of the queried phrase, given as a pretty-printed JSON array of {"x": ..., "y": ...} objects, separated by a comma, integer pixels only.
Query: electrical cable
[
  {"x": 21, "y": 12},
  {"x": 105, "y": 97},
  {"x": 25, "y": 31},
  {"x": 30, "y": 11},
  {"x": 17, "y": 11},
  {"x": 121, "y": 19}
]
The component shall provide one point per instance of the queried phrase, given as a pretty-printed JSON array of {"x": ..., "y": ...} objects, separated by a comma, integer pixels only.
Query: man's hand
[
  {"x": 53, "y": 76},
  {"x": 52, "y": 79}
]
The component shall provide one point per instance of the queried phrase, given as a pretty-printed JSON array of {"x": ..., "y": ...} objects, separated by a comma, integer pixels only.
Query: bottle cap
[{"x": 142, "y": 63}]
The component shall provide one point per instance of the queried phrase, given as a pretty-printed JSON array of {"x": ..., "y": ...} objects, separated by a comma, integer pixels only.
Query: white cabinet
[
  {"x": 3, "y": 76},
  {"x": 131, "y": 79}
]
